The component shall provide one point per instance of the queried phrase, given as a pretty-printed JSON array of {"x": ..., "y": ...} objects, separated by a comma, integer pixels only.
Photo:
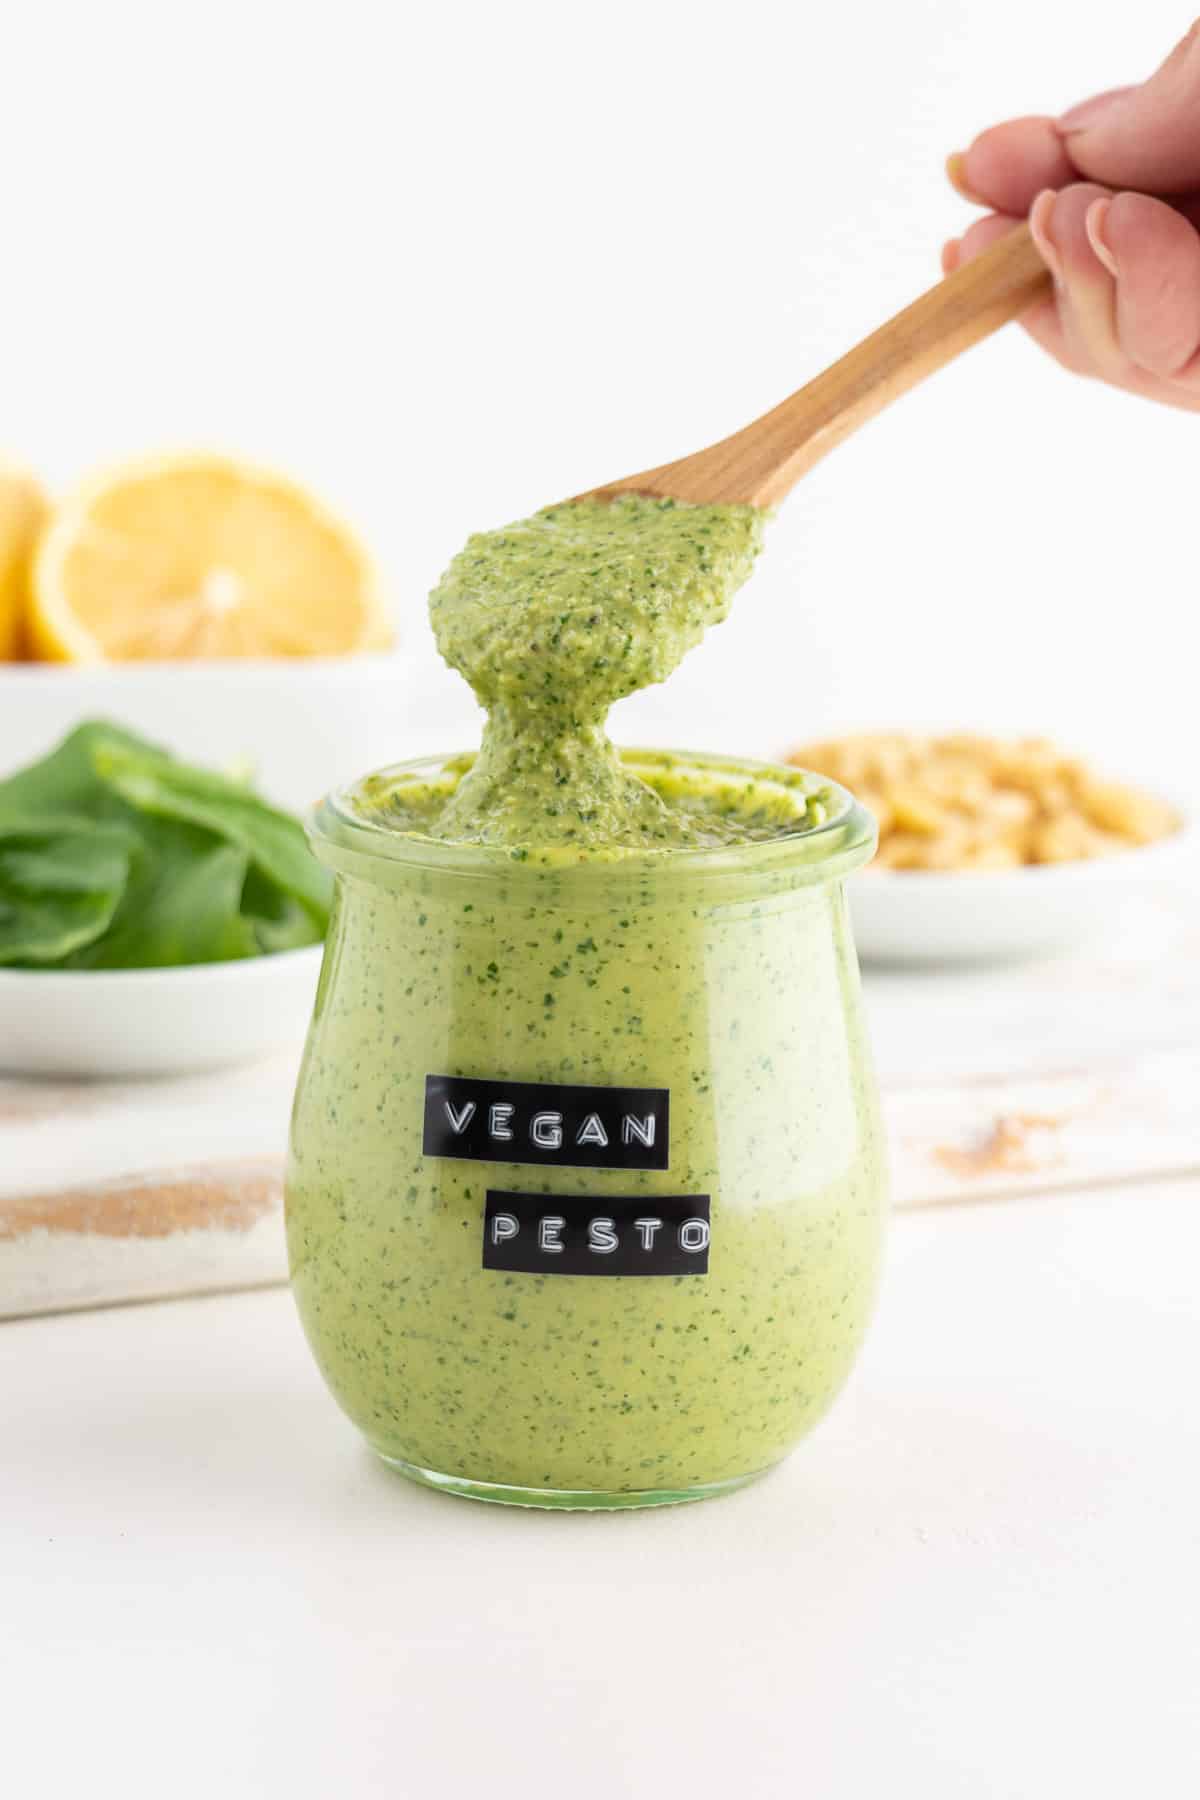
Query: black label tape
[
  {"x": 596, "y": 1234},
  {"x": 532, "y": 1122}
]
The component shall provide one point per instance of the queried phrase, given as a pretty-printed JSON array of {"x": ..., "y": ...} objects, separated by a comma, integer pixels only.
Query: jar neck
[{"x": 358, "y": 839}]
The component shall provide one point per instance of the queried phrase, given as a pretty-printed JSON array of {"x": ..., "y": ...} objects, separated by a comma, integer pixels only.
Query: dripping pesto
[{"x": 553, "y": 619}]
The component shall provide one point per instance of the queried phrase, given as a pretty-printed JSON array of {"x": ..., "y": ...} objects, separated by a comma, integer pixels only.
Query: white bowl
[
  {"x": 911, "y": 916},
  {"x": 123, "y": 1022},
  {"x": 301, "y": 726}
]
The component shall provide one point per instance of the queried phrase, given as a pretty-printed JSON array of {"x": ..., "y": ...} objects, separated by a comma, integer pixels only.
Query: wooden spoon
[{"x": 759, "y": 465}]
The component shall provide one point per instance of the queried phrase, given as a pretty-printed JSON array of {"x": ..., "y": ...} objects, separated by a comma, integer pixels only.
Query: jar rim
[{"x": 344, "y": 839}]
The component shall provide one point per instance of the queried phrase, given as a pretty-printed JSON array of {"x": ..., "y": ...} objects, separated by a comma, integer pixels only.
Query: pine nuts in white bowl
[{"x": 979, "y": 915}]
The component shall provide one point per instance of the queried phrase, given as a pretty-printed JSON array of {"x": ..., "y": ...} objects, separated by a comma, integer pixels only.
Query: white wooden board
[{"x": 999, "y": 1082}]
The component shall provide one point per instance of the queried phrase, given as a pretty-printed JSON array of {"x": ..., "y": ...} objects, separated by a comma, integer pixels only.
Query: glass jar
[{"x": 586, "y": 1192}]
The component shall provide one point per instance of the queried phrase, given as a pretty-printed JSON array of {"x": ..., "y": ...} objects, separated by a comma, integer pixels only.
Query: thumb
[{"x": 1144, "y": 137}]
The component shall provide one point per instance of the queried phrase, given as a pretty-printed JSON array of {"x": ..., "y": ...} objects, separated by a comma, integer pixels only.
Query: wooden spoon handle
[{"x": 760, "y": 464}]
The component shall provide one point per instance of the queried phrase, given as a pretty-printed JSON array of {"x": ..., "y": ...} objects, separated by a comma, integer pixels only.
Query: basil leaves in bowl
[{"x": 153, "y": 915}]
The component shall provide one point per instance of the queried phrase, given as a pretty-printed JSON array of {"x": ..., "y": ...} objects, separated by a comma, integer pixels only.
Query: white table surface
[{"x": 980, "y": 1577}]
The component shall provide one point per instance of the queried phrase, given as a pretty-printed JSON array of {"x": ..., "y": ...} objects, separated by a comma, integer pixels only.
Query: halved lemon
[
  {"x": 22, "y": 510},
  {"x": 195, "y": 556}
]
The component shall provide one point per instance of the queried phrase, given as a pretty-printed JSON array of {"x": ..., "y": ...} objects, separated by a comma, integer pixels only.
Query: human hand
[{"x": 1126, "y": 301}]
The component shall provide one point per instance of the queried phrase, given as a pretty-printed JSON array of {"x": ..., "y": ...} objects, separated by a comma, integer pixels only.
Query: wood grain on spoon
[{"x": 759, "y": 465}]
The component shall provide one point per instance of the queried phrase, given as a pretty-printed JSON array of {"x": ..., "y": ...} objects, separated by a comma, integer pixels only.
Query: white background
[
  {"x": 977, "y": 1580},
  {"x": 451, "y": 262},
  {"x": 447, "y": 263}
]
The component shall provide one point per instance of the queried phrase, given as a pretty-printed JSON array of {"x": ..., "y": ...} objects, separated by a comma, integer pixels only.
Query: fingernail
[
  {"x": 950, "y": 255},
  {"x": 1091, "y": 112},
  {"x": 1093, "y": 223},
  {"x": 956, "y": 175},
  {"x": 1039, "y": 227}
]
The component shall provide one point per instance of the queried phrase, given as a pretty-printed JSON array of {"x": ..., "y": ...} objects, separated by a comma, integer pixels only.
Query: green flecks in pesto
[
  {"x": 750, "y": 1017},
  {"x": 697, "y": 807},
  {"x": 745, "y": 1009},
  {"x": 553, "y": 619}
]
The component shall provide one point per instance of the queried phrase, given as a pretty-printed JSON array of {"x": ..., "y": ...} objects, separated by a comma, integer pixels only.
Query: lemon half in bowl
[
  {"x": 196, "y": 557},
  {"x": 23, "y": 511}
]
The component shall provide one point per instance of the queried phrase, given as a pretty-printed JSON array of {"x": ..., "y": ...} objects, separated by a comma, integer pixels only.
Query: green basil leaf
[
  {"x": 273, "y": 840},
  {"x": 60, "y": 887},
  {"x": 182, "y": 905},
  {"x": 65, "y": 781},
  {"x": 115, "y": 855}
]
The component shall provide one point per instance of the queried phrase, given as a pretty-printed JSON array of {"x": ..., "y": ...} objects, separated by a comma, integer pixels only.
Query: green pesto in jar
[
  {"x": 551, "y": 912},
  {"x": 696, "y": 810}
]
